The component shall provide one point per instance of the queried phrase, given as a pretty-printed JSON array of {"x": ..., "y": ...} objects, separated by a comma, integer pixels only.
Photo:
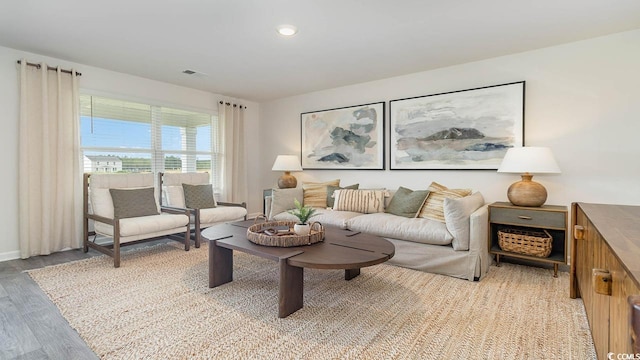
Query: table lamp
[
  {"x": 287, "y": 163},
  {"x": 528, "y": 161}
]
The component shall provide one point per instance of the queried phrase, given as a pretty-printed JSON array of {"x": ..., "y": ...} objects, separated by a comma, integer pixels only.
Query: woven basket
[
  {"x": 256, "y": 234},
  {"x": 527, "y": 242}
]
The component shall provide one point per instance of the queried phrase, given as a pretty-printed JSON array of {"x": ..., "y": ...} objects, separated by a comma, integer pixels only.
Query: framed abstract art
[
  {"x": 344, "y": 138},
  {"x": 466, "y": 129}
]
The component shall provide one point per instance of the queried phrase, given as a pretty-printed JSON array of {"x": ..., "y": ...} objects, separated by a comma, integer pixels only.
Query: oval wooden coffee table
[{"x": 341, "y": 249}]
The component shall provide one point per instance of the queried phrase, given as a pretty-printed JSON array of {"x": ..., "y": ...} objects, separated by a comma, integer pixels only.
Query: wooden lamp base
[{"x": 527, "y": 192}]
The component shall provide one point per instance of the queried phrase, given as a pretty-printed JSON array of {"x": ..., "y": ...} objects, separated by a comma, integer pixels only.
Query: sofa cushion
[
  {"x": 315, "y": 194},
  {"x": 418, "y": 230},
  {"x": 456, "y": 214},
  {"x": 198, "y": 196},
  {"x": 331, "y": 189},
  {"x": 129, "y": 203},
  {"x": 406, "y": 202},
  {"x": 433, "y": 206},
  {"x": 282, "y": 200},
  {"x": 361, "y": 201}
]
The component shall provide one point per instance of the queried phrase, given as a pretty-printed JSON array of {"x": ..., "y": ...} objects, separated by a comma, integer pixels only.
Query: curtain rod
[
  {"x": 50, "y": 68},
  {"x": 234, "y": 105}
]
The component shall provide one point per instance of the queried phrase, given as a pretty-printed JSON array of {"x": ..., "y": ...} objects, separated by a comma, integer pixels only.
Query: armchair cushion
[
  {"x": 129, "y": 203},
  {"x": 221, "y": 214},
  {"x": 198, "y": 196}
]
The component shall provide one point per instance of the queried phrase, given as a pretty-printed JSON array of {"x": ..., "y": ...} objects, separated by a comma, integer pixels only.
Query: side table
[{"x": 553, "y": 219}]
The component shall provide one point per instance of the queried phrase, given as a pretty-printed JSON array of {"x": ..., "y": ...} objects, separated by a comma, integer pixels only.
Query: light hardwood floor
[{"x": 31, "y": 327}]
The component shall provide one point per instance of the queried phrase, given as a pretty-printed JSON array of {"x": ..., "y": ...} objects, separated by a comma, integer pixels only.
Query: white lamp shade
[
  {"x": 287, "y": 163},
  {"x": 530, "y": 159}
]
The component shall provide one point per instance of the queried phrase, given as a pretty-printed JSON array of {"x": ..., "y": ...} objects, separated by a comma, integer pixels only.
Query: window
[{"x": 135, "y": 137}]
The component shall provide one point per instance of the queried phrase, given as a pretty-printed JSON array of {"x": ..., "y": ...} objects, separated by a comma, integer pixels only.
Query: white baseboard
[
  {"x": 253, "y": 215},
  {"x": 11, "y": 255}
]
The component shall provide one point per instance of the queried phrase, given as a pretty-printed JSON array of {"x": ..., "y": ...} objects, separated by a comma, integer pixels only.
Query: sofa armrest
[
  {"x": 479, "y": 230},
  {"x": 479, "y": 238},
  {"x": 267, "y": 206}
]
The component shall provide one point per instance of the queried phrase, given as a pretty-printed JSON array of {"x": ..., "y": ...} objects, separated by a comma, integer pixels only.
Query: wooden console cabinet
[{"x": 605, "y": 271}]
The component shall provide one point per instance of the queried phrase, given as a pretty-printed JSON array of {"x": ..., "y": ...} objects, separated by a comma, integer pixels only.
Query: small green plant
[{"x": 303, "y": 213}]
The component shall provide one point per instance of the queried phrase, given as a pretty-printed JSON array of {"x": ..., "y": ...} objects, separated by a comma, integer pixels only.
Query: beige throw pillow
[
  {"x": 433, "y": 206},
  {"x": 282, "y": 200},
  {"x": 362, "y": 201},
  {"x": 315, "y": 194}
]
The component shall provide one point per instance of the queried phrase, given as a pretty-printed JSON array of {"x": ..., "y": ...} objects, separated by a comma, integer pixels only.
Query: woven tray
[
  {"x": 527, "y": 242},
  {"x": 256, "y": 234}
]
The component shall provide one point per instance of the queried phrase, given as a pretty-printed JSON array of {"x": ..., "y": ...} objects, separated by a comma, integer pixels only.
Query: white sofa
[{"x": 457, "y": 248}]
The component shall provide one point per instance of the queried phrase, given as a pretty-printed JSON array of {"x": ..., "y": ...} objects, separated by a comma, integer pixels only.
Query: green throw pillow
[
  {"x": 330, "y": 189},
  {"x": 198, "y": 196},
  {"x": 128, "y": 203},
  {"x": 406, "y": 202}
]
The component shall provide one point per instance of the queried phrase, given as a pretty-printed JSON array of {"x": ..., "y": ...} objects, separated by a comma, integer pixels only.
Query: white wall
[
  {"x": 582, "y": 100},
  {"x": 100, "y": 81}
]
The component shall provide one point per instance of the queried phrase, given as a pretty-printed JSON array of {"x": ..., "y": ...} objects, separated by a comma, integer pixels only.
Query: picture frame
[
  {"x": 346, "y": 138},
  {"x": 459, "y": 130}
]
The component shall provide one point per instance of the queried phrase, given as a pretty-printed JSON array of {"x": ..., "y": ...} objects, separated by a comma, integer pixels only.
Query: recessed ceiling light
[{"x": 287, "y": 30}]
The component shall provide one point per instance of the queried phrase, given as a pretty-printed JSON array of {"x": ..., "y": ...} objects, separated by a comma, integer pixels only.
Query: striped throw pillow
[
  {"x": 433, "y": 207},
  {"x": 362, "y": 201}
]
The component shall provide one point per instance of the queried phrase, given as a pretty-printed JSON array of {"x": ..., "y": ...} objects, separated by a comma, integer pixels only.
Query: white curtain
[
  {"x": 50, "y": 180},
  {"x": 231, "y": 117}
]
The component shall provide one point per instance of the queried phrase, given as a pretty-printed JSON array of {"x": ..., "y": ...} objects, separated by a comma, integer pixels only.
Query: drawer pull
[
  {"x": 524, "y": 217},
  {"x": 602, "y": 281},
  {"x": 578, "y": 232}
]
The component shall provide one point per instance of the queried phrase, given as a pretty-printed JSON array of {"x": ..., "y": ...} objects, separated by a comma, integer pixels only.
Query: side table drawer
[{"x": 527, "y": 217}]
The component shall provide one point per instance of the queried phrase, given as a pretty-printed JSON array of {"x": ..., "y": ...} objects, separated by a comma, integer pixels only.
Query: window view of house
[{"x": 120, "y": 136}]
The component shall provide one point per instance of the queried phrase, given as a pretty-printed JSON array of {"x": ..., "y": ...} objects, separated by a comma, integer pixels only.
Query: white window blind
[{"x": 125, "y": 136}]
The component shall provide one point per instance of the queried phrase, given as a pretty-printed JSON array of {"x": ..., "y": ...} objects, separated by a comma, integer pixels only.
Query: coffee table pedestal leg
[
  {"x": 351, "y": 273},
  {"x": 291, "y": 289},
  {"x": 220, "y": 265}
]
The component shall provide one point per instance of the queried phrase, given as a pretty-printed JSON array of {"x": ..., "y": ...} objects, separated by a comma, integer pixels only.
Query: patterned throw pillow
[
  {"x": 362, "y": 201},
  {"x": 406, "y": 202},
  {"x": 315, "y": 194},
  {"x": 331, "y": 189},
  {"x": 198, "y": 196},
  {"x": 129, "y": 203},
  {"x": 433, "y": 206}
]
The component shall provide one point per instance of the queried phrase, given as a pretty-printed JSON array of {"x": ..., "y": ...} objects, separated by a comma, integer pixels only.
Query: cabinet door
[
  {"x": 620, "y": 311},
  {"x": 600, "y": 303}
]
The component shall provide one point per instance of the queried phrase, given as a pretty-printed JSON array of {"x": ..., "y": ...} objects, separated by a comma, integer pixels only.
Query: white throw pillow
[{"x": 456, "y": 215}]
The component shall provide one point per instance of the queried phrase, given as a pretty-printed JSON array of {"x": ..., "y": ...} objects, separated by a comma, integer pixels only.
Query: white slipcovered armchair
[
  {"x": 172, "y": 195},
  {"x": 124, "y": 207}
]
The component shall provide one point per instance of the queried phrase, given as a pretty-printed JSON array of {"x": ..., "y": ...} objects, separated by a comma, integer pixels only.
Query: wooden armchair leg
[
  {"x": 116, "y": 243},
  {"x": 116, "y": 251},
  {"x": 187, "y": 239},
  {"x": 198, "y": 237}
]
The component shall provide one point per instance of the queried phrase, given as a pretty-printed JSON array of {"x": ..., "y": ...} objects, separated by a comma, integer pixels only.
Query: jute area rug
[{"x": 158, "y": 306}]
